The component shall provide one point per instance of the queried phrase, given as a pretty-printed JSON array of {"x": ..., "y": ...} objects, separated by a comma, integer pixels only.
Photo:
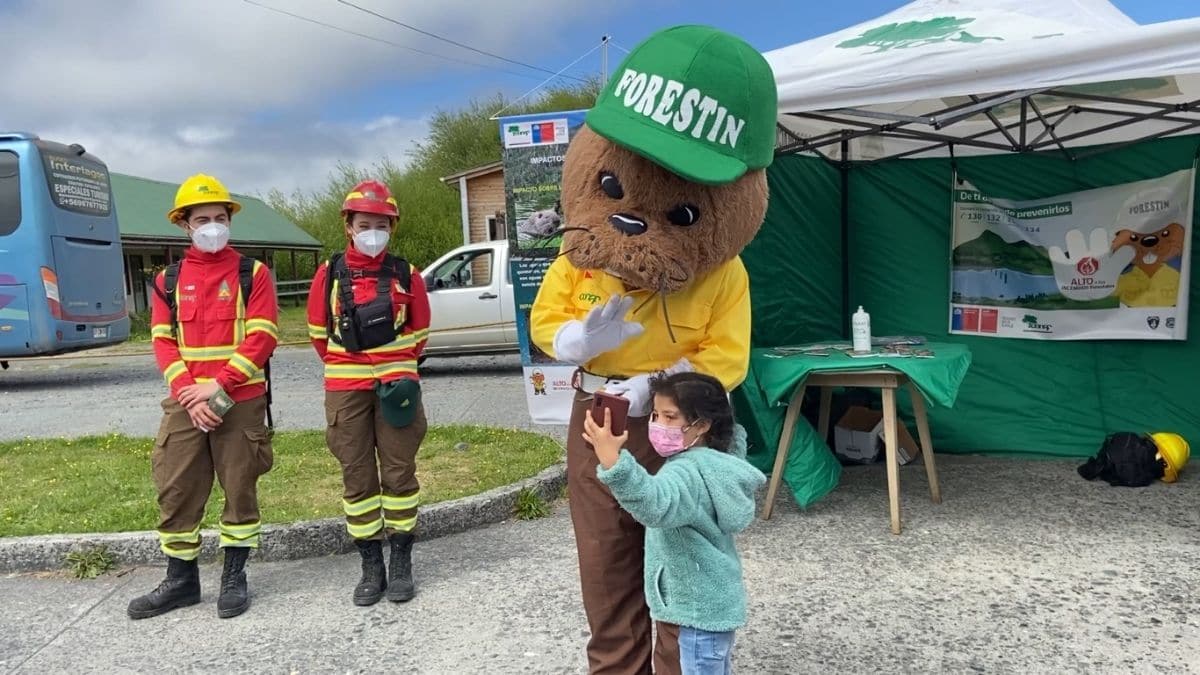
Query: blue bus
[{"x": 61, "y": 272}]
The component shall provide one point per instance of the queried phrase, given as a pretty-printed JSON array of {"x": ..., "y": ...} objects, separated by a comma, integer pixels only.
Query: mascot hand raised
[{"x": 602, "y": 330}]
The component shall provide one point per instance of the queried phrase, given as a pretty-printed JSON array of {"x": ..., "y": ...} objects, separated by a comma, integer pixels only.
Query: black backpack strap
[
  {"x": 400, "y": 270},
  {"x": 170, "y": 280},
  {"x": 337, "y": 269},
  {"x": 246, "y": 281},
  {"x": 387, "y": 272},
  {"x": 246, "y": 277}
]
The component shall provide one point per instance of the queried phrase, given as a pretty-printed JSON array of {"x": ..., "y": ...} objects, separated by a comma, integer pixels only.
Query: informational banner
[
  {"x": 1102, "y": 264},
  {"x": 534, "y": 149}
]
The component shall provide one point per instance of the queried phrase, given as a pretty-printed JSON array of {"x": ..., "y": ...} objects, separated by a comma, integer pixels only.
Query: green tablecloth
[{"x": 812, "y": 471}]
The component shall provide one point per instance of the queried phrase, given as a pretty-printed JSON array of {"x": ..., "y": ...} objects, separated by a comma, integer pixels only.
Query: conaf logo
[{"x": 1033, "y": 326}]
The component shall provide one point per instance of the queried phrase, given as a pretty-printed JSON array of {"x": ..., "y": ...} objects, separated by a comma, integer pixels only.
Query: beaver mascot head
[{"x": 667, "y": 179}]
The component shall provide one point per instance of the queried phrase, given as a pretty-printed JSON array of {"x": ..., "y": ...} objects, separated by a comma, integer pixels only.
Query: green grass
[
  {"x": 103, "y": 484},
  {"x": 530, "y": 506},
  {"x": 90, "y": 563}
]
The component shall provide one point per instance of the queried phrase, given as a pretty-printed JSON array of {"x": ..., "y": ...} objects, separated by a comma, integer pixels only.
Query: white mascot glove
[
  {"x": 1085, "y": 272},
  {"x": 602, "y": 330},
  {"x": 637, "y": 388}
]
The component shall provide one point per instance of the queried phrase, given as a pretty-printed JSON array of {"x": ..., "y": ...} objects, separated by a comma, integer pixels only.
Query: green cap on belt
[
  {"x": 696, "y": 100},
  {"x": 399, "y": 401}
]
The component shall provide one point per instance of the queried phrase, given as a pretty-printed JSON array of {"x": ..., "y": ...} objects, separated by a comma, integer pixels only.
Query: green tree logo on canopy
[{"x": 915, "y": 34}]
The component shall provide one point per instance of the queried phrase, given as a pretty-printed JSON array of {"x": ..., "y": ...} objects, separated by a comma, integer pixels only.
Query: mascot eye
[
  {"x": 1165, "y": 234},
  {"x": 611, "y": 185},
  {"x": 684, "y": 214},
  {"x": 1133, "y": 237}
]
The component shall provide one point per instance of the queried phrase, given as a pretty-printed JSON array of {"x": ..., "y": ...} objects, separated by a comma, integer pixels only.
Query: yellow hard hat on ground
[
  {"x": 200, "y": 189},
  {"x": 1174, "y": 451}
]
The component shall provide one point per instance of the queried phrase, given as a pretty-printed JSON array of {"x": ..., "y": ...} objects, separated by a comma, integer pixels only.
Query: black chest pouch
[{"x": 370, "y": 325}]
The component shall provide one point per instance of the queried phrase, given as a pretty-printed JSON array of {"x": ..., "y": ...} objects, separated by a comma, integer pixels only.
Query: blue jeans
[{"x": 705, "y": 653}]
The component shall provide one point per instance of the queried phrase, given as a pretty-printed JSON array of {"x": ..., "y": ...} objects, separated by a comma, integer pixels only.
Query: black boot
[
  {"x": 181, "y": 588},
  {"x": 234, "y": 598},
  {"x": 400, "y": 583},
  {"x": 374, "y": 577}
]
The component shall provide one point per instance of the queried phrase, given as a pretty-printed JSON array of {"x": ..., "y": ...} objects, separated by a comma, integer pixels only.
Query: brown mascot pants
[
  {"x": 184, "y": 461},
  {"x": 379, "y": 463},
  {"x": 611, "y": 556}
]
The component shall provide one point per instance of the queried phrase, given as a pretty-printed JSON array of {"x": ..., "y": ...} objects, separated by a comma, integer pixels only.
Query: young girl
[{"x": 691, "y": 508}]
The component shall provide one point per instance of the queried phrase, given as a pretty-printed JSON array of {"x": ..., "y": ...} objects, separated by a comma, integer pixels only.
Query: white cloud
[
  {"x": 249, "y": 159},
  {"x": 168, "y": 89}
]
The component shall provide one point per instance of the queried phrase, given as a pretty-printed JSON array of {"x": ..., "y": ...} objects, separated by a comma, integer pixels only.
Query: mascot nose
[
  {"x": 627, "y": 224},
  {"x": 1149, "y": 241}
]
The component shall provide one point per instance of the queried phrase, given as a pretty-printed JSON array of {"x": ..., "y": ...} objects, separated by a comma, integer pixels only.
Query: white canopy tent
[{"x": 939, "y": 77}]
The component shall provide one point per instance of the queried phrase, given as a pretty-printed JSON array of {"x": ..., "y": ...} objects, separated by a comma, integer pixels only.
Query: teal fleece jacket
[{"x": 692, "y": 508}]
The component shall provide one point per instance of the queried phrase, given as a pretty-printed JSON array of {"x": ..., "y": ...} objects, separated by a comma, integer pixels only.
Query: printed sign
[
  {"x": 1108, "y": 263},
  {"x": 535, "y": 147}
]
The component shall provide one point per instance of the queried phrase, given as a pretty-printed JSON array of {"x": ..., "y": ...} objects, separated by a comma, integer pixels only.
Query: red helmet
[{"x": 371, "y": 196}]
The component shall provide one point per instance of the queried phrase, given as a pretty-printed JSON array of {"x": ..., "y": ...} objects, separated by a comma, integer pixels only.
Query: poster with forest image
[
  {"x": 534, "y": 148},
  {"x": 1106, "y": 263}
]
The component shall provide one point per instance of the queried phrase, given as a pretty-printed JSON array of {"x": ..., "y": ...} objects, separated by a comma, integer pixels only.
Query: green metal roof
[{"x": 142, "y": 206}]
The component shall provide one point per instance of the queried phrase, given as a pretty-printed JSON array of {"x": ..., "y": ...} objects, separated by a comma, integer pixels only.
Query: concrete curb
[{"x": 288, "y": 541}]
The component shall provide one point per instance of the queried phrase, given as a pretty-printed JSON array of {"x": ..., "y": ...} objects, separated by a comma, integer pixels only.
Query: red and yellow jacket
[
  {"x": 222, "y": 336},
  {"x": 348, "y": 371}
]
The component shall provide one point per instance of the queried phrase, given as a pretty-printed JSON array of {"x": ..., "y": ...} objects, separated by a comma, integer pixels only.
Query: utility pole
[{"x": 604, "y": 59}]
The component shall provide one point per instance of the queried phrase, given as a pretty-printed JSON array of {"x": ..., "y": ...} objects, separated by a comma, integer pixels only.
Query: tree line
[{"x": 430, "y": 216}]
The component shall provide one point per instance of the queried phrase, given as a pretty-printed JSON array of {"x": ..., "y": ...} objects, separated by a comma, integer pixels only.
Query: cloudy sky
[{"x": 165, "y": 89}]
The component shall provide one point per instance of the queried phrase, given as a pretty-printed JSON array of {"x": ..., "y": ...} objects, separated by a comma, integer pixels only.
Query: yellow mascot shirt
[
  {"x": 710, "y": 320},
  {"x": 1136, "y": 289}
]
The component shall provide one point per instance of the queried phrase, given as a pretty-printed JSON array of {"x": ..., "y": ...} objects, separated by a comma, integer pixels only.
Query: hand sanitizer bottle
[{"x": 861, "y": 331}]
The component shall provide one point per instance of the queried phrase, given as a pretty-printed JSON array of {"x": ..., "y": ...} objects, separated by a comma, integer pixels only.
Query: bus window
[
  {"x": 10, "y": 193},
  {"x": 76, "y": 184}
]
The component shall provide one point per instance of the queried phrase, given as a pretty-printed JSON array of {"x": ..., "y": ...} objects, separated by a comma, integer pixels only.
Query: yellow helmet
[
  {"x": 1174, "y": 451},
  {"x": 200, "y": 189}
]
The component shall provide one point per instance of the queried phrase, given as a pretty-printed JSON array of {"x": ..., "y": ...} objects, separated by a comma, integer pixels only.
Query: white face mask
[
  {"x": 371, "y": 243},
  {"x": 210, "y": 237}
]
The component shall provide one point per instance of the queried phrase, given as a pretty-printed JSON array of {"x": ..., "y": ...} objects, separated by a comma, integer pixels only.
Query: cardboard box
[{"x": 858, "y": 437}]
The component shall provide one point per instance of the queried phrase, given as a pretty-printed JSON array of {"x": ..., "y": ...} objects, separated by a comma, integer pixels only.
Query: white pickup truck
[{"x": 471, "y": 302}]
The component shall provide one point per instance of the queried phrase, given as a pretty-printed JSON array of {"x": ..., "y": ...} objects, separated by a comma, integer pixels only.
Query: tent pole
[
  {"x": 845, "y": 171},
  {"x": 1050, "y": 130},
  {"x": 1024, "y": 122}
]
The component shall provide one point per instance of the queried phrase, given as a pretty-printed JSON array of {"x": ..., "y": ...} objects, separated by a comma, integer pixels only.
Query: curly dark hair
[{"x": 700, "y": 397}]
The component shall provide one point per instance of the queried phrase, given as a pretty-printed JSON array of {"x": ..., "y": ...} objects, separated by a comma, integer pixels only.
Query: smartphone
[{"x": 618, "y": 406}]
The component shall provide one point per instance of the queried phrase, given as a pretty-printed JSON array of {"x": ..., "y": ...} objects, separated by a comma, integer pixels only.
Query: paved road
[
  {"x": 79, "y": 396},
  {"x": 1025, "y": 568}
]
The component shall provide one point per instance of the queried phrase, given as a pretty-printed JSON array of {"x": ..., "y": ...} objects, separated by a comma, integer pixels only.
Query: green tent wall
[{"x": 1033, "y": 397}]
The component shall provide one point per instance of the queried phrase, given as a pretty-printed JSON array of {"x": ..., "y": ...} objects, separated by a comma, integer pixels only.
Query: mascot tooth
[{"x": 662, "y": 189}]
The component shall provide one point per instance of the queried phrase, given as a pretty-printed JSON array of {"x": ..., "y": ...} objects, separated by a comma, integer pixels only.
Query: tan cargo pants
[
  {"x": 379, "y": 464},
  {"x": 183, "y": 464}
]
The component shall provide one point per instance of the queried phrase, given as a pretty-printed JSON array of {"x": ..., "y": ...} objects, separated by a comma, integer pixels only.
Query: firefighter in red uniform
[
  {"x": 213, "y": 323},
  {"x": 368, "y": 318}
]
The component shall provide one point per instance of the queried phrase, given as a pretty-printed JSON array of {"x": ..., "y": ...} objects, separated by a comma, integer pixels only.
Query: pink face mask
[{"x": 666, "y": 440}]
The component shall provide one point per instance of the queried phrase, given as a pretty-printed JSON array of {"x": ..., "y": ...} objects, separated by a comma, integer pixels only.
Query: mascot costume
[{"x": 662, "y": 188}]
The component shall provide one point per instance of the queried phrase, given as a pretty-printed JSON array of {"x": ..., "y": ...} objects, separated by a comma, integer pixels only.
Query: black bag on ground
[{"x": 1126, "y": 459}]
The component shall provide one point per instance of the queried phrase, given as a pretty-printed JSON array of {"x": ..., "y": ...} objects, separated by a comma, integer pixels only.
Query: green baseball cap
[
  {"x": 695, "y": 100},
  {"x": 399, "y": 400}
]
